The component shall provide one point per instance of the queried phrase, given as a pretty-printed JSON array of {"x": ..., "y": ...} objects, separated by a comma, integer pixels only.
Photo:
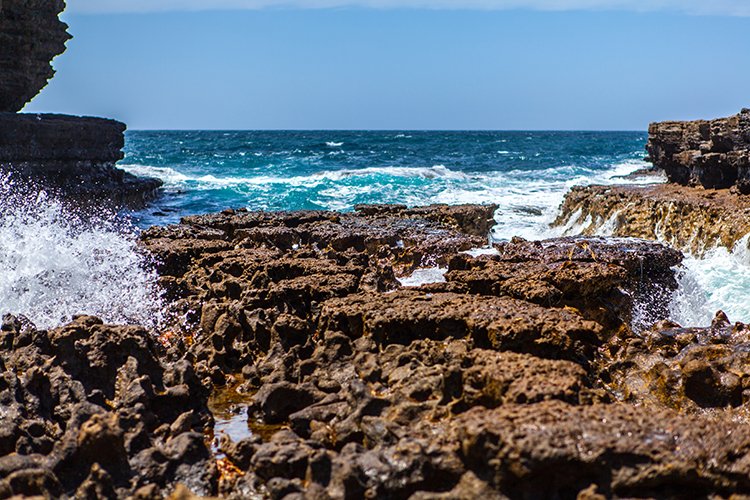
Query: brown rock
[
  {"x": 714, "y": 154},
  {"x": 498, "y": 322},
  {"x": 555, "y": 450},
  {"x": 689, "y": 218}
]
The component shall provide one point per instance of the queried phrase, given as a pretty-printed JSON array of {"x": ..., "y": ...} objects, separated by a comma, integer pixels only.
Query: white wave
[
  {"x": 53, "y": 265},
  {"x": 542, "y": 193},
  {"x": 334, "y": 144},
  {"x": 718, "y": 281},
  {"x": 167, "y": 175},
  {"x": 424, "y": 276},
  {"x": 173, "y": 178}
]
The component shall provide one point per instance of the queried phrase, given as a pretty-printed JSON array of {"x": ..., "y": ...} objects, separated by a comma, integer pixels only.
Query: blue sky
[{"x": 402, "y": 64}]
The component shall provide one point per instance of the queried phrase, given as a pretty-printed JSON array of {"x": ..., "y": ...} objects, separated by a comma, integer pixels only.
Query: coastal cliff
[
  {"x": 31, "y": 35},
  {"x": 704, "y": 203},
  {"x": 714, "y": 154},
  {"x": 692, "y": 219},
  {"x": 73, "y": 157}
]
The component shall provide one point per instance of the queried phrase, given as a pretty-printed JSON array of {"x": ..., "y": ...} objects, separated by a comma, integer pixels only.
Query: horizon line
[{"x": 377, "y": 130}]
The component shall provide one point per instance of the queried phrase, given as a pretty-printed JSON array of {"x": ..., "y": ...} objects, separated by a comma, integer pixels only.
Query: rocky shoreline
[
  {"x": 522, "y": 374},
  {"x": 522, "y": 369},
  {"x": 73, "y": 158},
  {"x": 702, "y": 206},
  {"x": 693, "y": 219}
]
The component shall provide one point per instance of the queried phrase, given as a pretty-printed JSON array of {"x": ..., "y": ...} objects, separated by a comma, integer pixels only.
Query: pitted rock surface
[
  {"x": 521, "y": 376},
  {"x": 90, "y": 410}
]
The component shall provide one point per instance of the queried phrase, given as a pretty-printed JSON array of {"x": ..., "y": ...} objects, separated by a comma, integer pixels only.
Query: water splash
[
  {"x": 718, "y": 280},
  {"x": 424, "y": 276},
  {"x": 55, "y": 264}
]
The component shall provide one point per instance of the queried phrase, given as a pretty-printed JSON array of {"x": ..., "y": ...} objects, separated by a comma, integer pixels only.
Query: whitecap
[
  {"x": 478, "y": 252},
  {"x": 173, "y": 178}
]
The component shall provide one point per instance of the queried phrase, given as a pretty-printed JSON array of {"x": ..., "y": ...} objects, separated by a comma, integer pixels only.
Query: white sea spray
[
  {"x": 719, "y": 280},
  {"x": 424, "y": 276},
  {"x": 56, "y": 263}
]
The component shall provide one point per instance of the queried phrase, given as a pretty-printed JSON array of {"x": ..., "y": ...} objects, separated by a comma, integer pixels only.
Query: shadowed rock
[
  {"x": 31, "y": 35},
  {"x": 73, "y": 157},
  {"x": 89, "y": 410}
]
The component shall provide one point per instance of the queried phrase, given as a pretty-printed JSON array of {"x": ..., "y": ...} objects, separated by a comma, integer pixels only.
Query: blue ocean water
[
  {"x": 53, "y": 267},
  {"x": 525, "y": 173}
]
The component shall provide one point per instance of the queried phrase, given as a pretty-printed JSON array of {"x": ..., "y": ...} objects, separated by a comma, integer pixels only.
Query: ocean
[
  {"x": 526, "y": 173},
  {"x": 97, "y": 268}
]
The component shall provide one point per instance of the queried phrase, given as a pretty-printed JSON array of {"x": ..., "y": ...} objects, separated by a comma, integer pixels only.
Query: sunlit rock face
[
  {"x": 714, "y": 154},
  {"x": 31, "y": 35},
  {"x": 690, "y": 218}
]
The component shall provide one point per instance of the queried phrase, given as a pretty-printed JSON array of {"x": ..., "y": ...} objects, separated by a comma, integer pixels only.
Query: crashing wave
[{"x": 54, "y": 264}]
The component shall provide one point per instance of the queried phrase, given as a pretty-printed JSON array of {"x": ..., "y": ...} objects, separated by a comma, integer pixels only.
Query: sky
[{"x": 402, "y": 64}]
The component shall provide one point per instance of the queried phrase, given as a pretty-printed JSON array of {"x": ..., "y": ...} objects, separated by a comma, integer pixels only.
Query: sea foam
[
  {"x": 720, "y": 280},
  {"x": 54, "y": 264}
]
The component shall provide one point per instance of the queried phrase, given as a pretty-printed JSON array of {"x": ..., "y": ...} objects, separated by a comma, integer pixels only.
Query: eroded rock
[
  {"x": 87, "y": 408},
  {"x": 689, "y": 369},
  {"x": 693, "y": 219},
  {"x": 71, "y": 157},
  {"x": 714, "y": 154},
  {"x": 31, "y": 35}
]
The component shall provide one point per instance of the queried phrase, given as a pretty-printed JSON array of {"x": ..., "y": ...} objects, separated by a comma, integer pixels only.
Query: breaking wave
[
  {"x": 720, "y": 280},
  {"x": 54, "y": 264},
  {"x": 174, "y": 179}
]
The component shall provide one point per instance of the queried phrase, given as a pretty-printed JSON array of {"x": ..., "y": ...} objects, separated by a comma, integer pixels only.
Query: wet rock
[
  {"x": 688, "y": 218},
  {"x": 71, "y": 157},
  {"x": 605, "y": 279},
  {"x": 87, "y": 410},
  {"x": 689, "y": 369}
]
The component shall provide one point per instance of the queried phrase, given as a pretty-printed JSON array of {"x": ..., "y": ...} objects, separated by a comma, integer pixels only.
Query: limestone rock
[{"x": 689, "y": 218}]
